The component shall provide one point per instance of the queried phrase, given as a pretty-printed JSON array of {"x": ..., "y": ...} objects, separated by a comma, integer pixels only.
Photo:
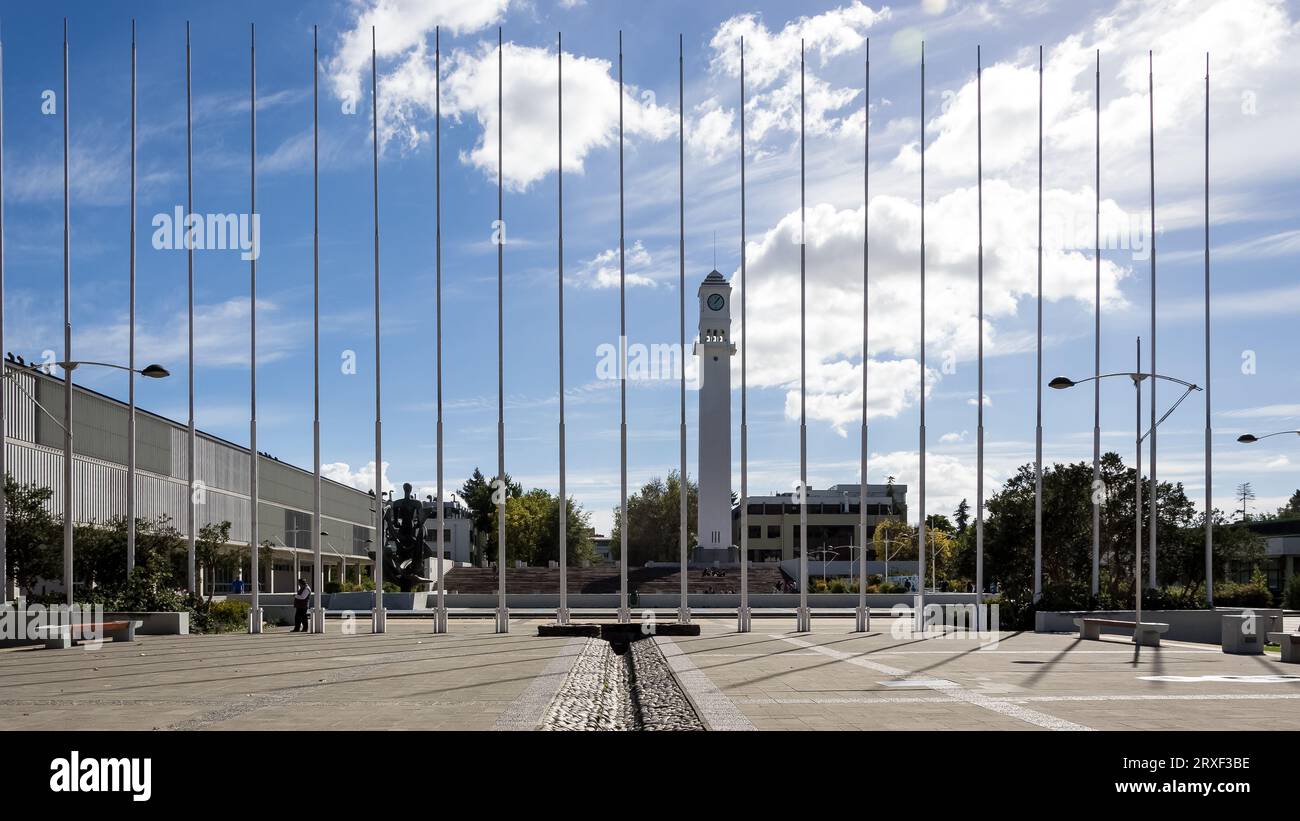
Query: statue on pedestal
[{"x": 404, "y": 531}]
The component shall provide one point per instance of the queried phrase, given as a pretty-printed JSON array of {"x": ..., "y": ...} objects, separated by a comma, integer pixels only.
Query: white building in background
[{"x": 715, "y": 349}]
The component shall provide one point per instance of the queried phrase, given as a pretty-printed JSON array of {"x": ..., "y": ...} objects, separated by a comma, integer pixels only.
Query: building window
[
  {"x": 773, "y": 531},
  {"x": 297, "y": 529},
  {"x": 359, "y": 537},
  {"x": 755, "y": 531}
]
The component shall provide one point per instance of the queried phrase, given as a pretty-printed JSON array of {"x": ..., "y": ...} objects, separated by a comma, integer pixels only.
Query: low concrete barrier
[
  {"x": 155, "y": 623},
  {"x": 1198, "y": 626}
]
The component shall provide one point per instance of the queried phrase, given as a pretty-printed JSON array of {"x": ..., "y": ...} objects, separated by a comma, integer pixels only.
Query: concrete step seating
[{"x": 762, "y": 579}]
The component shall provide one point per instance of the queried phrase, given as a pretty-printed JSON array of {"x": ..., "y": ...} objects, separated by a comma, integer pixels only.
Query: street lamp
[
  {"x": 1061, "y": 383},
  {"x": 153, "y": 371},
  {"x": 1250, "y": 438}
]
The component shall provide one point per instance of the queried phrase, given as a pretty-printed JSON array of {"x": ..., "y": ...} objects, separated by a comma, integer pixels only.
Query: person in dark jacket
[{"x": 300, "y": 602}]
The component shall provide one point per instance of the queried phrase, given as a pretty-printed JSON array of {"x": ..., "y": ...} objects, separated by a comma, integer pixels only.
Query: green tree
[
  {"x": 31, "y": 534},
  {"x": 1291, "y": 510},
  {"x": 654, "y": 521},
  {"x": 1067, "y": 533},
  {"x": 210, "y": 554},
  {"x": 962, "y": 516},
  {"x": 533, "y": 530},
  {"x": 477, "y": 496},
  {"x": 939, "y": 522},
  {"x": 900, "y": 539}
]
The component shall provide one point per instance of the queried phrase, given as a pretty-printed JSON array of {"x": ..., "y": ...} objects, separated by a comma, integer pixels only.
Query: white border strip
[
  {"x": 716, "y": 710},
  {"x": 527, "y": 711}
]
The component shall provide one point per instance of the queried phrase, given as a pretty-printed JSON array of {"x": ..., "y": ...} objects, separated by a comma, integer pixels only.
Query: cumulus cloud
[
  {"x": 834, "y": 288},
  {"x": 772, "y": 67},
  {"x": 363, "y": 478},
  {"x": 529, "y": 83},
  {"x": 601, "y": 271}
]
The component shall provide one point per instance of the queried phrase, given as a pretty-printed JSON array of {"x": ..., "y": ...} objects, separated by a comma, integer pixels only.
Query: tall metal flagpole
[
  {"x": 863, "y": 615},
  {"x": 979, "y": 396},
  {"x": 255, "y": 614},
  {"x": 561, "y": 615},
  {"x": 624, "y": 614},
  {"x": 803, "y": 618},
  {"x": 440, "y": 612},
  {"x": 742, "y": 614},
  {"x": 1151, "y": 83},
  {"x": 318, "y": 573},
  {"x": 130, "y": 390},
  {"x": 1137, "y": 494},
  {"x": 683, "y": 605},
  {"x": 4, "y": 467},
  {"x": 503, "y": 614},
  {"x": 918, "y": 613},
  {"x": 190, "y": 512},
  {"x": 67, "y": 343},
  {"x": 378, "y": 615},
  {"x": 1038, "y": 379},
  {"x": 1096, "y": 352},
  {"x": 1209, "y": 446}
]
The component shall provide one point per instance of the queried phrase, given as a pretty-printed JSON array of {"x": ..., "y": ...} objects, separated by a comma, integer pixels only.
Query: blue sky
[{"x": 1255, "y": 239}]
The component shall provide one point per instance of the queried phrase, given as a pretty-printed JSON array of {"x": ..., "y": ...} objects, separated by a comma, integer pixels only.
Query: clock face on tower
[{"x": 715, "y": 302}]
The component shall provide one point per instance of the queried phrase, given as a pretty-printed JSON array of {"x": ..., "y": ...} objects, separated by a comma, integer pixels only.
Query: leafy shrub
[
  {"x": 1254, "y": 593},
  {"x": 1291, "y": 596},
  {"x": 219, "y": 616}
]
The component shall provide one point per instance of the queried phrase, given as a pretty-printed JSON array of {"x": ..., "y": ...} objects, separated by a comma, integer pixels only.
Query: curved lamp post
[
  {"x": 1250, "y": 438},
  {"x": 153, "y": 371},
  {"x": 1063, "y": 382}
]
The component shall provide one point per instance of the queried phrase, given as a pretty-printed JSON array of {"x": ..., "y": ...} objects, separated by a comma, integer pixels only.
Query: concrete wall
[{"x": 1198, "y": 626}]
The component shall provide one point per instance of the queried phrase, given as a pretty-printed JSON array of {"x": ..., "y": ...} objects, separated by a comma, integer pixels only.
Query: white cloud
[
  {"x": 363, "y": 478},
  {"x": 402, "y": 28},
  {"x": 601, "y": 271},
  {"x": 772, "y": 66},
  {"x": 529, "y": 84},
  {"x": 952, "y": 438},
  {"x": 834, "y": 277}
]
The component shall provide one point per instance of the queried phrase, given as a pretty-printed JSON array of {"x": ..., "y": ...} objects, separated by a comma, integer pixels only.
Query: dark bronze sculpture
[{"x": 404, "y": 532}]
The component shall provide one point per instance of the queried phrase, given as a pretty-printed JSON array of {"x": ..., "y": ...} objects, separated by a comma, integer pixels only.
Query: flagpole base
[
  {"x": 562, "y": 615},
  {"x": 378, "y": 620},
  {"x": 742, "y": 619},
  {"x": 318, "y": 620},
  {"x": 863, "y": 619},
  {"x": 255, "y": 621},
  {"x": 440, "y": 620},
  {"x": 802, "y": 620},
  {"x": 503, "y": 620}
]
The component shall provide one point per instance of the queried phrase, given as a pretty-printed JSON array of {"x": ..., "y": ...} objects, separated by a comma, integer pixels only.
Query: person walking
[{"x": 300, "y": 601}]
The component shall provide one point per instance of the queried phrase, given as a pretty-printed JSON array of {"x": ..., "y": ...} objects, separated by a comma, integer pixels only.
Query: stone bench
[
  {"x": 1290, "y": 644},
  {"x": 62, "y": 636},
  {"x": 1146, "y": 634}
]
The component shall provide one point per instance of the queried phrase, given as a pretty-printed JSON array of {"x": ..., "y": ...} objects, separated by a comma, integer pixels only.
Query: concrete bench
[
  {"x": 1146, "y": 634},
  {"x": 1290, "y": 644},
  {"x": 63, "y": 636}
]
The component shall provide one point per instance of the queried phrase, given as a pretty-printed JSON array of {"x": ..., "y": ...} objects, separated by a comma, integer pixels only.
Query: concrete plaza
[{"x": 771, "y": 678}]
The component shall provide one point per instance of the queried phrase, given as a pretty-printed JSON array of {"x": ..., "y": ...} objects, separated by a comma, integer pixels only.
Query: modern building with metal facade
[{"x": 34, "y": 453}]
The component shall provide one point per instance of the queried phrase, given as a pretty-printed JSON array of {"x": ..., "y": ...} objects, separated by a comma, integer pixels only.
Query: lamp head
[
  {"x": 1061, "y": 382},
  {"x": 155, "y": 371},
  {"x": 1247, "y": 438}
]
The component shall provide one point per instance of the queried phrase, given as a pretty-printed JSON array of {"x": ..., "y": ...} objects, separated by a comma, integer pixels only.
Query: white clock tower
[{"x": 715, "y": 349}]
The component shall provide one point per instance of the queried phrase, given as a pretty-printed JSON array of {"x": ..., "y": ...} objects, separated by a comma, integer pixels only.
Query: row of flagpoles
[{"x": 803, "y": 614}]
